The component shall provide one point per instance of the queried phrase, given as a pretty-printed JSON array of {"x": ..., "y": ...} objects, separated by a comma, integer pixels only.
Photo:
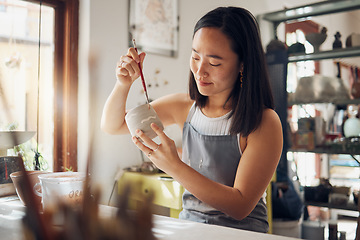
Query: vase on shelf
[
  {"x": 352, "y": 124},
  {"x": 317, "y": 38}
]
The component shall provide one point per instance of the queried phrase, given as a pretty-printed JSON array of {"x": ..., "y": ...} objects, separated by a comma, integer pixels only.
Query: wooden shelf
[
  {"x": 333, "y": 101},
  {"x": 309, "y": 10},
  {"x": 327, "y": 150},
  {"x": 349, "y": 206},
  {"x": 332, "y": 54}
]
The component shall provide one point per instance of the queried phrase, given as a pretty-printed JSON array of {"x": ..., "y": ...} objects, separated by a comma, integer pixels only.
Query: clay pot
[{"x": 17, "y": 178}]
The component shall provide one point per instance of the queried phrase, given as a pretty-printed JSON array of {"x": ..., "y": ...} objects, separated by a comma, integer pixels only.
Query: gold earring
[{"x": 241, "y": 78}]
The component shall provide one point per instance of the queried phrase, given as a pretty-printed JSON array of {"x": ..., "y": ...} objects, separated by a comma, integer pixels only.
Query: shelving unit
[
  {"x": 279, "y": 85},
  {"x": 303, "y": 12}
]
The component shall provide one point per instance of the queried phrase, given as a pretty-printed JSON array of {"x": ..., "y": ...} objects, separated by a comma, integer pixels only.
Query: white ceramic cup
[
  {"x": 141, "y": 117},
  {"x": 60, "y": 186}
]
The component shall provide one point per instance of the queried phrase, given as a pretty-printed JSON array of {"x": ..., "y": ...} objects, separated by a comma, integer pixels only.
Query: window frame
[{"x": 65, "y": 82}]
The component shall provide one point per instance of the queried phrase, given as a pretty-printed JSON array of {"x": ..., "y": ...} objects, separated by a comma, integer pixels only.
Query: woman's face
[{"x": 214, "y": 64}]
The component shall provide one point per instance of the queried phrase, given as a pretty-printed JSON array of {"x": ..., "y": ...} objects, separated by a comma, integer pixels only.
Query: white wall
[{"x": 103, "y": 33}]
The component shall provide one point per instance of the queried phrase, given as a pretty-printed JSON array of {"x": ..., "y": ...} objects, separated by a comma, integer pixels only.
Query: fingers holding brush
[
  {"x": 127, "y": 68},
  {"x": 129, "y": 64},
  {"x": 133, "y": 54}
]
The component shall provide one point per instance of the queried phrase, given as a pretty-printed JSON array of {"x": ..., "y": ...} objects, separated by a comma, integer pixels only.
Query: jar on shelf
[{"x": 352, "y": 124}]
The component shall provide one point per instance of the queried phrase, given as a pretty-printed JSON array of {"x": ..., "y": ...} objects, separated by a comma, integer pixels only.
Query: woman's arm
[
  {"x": 172, "y": 109},
  {"x": 127, "y": 71},
  {"x": 113, "y": 116},
  {"x": 257, "y": 166}
]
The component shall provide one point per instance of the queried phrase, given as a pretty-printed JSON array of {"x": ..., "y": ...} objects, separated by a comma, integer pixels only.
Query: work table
[{"x": 12, "y": 211}]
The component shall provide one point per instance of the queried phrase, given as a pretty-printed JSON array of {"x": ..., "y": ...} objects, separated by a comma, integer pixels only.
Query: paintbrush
[{"x": 142, "y": 76}]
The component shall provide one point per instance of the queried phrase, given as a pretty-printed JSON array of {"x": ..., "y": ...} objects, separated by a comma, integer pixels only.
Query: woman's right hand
[{"x": 127, "y": 69}]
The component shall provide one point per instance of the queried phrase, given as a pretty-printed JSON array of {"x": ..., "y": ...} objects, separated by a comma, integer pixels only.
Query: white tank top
[{"x": 210, "y": 126}]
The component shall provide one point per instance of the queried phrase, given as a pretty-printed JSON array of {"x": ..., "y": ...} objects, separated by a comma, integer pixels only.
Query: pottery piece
[
  {"x": 319, "y": 88},
  {"x": 296, "y": 48},
  {"x": 66, "y": 187},
  {"x": 17, "y": 178},
  {"x": 9, "y": 139},
  {"x": 353, "y": 40},
  {"x": 141, "y": 117},
  {"x": 337, "y": 42},
  {"x": 317, "y": 38},
  {"x": 352, "y": 124}
]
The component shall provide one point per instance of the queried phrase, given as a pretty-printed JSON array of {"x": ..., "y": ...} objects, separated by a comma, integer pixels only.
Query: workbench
[{"x": 12, "y": 211}]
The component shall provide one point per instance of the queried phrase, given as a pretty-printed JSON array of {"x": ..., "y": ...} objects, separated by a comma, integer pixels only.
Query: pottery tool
[{"x": 142, "y": 76}]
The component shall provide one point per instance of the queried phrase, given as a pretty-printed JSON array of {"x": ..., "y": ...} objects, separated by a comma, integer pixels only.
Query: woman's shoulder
[
  {"x": 268, "y": 136},
  {"x": 270, "y": 115},
  {"x": 270, "y": 123}
]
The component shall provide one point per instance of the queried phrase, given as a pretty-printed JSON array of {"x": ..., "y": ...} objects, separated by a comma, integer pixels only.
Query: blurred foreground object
[{"x": 83, "y": 221}]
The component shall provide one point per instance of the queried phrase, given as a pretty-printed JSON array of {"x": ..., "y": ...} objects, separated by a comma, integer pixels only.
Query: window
[{"x": 50, "y": 107}]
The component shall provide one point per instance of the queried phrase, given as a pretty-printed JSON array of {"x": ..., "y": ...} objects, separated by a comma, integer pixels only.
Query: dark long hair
[{"x": 248, "y": 101}]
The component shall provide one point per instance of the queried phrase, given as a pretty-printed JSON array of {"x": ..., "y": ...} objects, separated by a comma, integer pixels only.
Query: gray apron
[{"x": 217, "y": 158}]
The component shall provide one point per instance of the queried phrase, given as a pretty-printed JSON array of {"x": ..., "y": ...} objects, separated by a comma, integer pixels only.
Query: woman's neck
[{"x": 216, "y": 108}]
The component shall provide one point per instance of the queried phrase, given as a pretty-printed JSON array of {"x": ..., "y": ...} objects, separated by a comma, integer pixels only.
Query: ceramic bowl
[
  {"x": 17, "y": 178},
  {"x": 141, "y": 117}
]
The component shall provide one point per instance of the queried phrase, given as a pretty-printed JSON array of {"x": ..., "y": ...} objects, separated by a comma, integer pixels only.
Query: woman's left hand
[{"x": 163, "y": 155}]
